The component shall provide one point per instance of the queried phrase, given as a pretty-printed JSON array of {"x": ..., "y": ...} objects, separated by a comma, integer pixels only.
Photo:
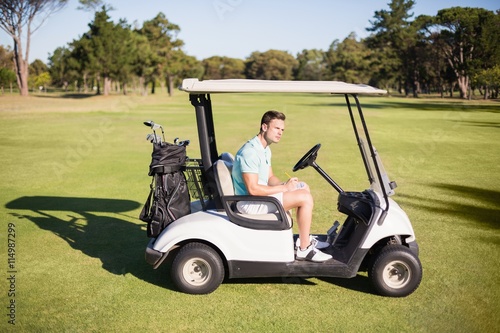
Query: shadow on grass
[
  {"x": 271, "y": 280},
  {"x": 484, "y": 208},
  {"x": 358, "y": 283},
  {"x": 489, "y": 124},
  {"x": 69, "y": 95},
  {"x": 119, "y": 244},
  {"x": 412, "y": 104}
]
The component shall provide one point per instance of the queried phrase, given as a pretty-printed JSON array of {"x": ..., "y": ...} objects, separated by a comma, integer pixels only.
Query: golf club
[
  {"x": 153, "y": 138},
  {"x": 154, "y": 127}
]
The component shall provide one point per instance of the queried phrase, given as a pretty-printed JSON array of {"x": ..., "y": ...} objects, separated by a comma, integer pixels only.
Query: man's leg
[{"x": 303, "y": 201}]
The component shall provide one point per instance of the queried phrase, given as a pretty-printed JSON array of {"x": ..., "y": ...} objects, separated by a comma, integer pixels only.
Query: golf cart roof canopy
[{"x": 195, "y": 86}]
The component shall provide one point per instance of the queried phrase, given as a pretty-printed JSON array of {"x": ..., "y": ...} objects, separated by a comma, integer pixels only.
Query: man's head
[{"x": 272, "y": 126}]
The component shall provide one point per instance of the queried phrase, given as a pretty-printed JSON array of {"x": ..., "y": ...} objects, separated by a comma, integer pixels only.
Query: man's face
[{"x": 273, "y": 131}]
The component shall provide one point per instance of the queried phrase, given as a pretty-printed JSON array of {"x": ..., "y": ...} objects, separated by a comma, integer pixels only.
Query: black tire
[
  {"x": 197, "y": 269},
  {"x": 395, "y": 271}
]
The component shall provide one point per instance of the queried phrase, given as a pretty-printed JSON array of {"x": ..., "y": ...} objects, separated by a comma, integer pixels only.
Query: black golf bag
[{"x": 169, "y": 197}]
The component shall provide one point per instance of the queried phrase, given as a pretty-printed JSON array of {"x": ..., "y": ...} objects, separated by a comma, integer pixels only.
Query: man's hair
[{"x": 270, "y": 115}]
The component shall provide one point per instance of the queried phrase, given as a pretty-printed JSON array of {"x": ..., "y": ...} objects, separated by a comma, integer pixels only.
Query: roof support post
[{"x": 206, "y": 130}]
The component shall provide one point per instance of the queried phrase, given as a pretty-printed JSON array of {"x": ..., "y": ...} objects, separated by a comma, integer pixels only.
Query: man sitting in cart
[{"x": 253, "y": 175}]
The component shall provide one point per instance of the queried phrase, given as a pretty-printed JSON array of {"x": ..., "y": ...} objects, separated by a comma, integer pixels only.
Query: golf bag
[{"x": 169, "y": 197}]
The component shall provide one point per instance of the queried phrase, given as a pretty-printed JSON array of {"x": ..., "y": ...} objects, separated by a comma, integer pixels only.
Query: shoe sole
[
  {"x": 310, "y": 260},
  {"x": 310, "y": 256}
]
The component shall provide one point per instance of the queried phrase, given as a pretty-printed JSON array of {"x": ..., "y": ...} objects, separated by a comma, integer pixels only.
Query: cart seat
[{"x": 274, "y": 221}]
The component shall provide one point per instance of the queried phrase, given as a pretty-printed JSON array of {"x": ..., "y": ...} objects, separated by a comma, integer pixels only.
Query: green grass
[{"x": 74, "y": 177}]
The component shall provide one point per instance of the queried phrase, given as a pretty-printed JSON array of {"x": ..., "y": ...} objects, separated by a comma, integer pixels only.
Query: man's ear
[{"x": 263, "y": 127}]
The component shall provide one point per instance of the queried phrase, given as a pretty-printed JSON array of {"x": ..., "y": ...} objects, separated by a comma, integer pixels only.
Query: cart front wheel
[
  {"x": 395, "y": 271},
  {"x": 197, "y": 269}
]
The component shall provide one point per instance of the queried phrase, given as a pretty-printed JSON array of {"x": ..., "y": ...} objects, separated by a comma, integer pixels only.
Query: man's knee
[{"x": 305, "y": 197}]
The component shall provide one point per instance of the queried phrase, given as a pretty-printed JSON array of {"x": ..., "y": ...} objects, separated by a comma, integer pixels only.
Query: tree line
[{"x": 456, "y": 50}]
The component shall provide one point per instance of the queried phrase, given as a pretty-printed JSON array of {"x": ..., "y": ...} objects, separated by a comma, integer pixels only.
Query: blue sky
[{"x": 236, "y": 28}]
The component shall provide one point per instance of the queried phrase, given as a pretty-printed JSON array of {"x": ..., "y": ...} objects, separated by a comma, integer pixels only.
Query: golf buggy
[{"x": 214, "y": 241}]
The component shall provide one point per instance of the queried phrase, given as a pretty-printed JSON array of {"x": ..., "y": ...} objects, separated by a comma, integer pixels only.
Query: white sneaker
[
  {"x": 312, "y": 239},
  {"x": 312, "y": 254}
]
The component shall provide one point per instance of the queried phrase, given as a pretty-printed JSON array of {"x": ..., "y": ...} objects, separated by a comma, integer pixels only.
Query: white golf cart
[{"x": 215, "y": 241}]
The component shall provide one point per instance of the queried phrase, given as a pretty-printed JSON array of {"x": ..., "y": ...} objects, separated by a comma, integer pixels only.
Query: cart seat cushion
[
  {"x": 228, "y": 158},
  {"x": 224, "y": 180}
]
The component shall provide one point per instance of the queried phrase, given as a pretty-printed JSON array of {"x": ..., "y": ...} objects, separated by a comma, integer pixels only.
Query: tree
[
  {"x": 38, "y": 67},
  {"x": 108, "y": 44},
  {"x": 351, "y": 62},
  {"x": 490, "y": 40},
  {"x": 58, "y": 67},
  {"x": 81, "y": 60},
  {"x": 101, "y": 37},
  {"x": 218, "y": 67},
  {"x": 488, "y": 76},
  {"x": 391, "y": 41},
  {"x": 460, "y": 31},
  {"x": 331, "y": 58},
  {"x": 142, "y": 59},
  {"x": 180, "y": 65},
  {"x": 489, "y": 79},
  {"x": 311, "y": 65},
  {"x": 91, "y": 5},
  {"x": 39, "y": 76},
  {"x": 7, "y": 78},
  {"x": 162, "y": 37},
  {"x": 41, "y": 81},
  {"x": 7, "y": 74},
  {"x": 6, "y": 58},
  {"x": 271, "y": 65},
  {"x": 17, "y": 15}
]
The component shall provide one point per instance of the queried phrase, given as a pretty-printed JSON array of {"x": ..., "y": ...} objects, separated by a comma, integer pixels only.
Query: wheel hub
[
  {"x": 196, "y": 271},
  {"x": 396, "y": 274}
]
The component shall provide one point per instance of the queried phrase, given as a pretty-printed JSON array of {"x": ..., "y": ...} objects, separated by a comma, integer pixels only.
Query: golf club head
[
  {"x": 153, "y": 138},
  {"x": 153, "y": 125}
]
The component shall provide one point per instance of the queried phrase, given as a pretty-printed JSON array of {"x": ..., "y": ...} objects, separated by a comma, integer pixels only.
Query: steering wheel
[{"x": 308, "y": 159}]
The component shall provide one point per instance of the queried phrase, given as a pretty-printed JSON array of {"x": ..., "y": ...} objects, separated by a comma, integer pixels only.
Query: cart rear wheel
[
  {"x": 197, "y": 269},
  {"x": 395, "y": 271}
]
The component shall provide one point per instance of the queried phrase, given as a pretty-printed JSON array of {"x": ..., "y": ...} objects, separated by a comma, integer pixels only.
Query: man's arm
[
  {"x": 275, "y": 185},
  {"x": 273, "y": 180}
]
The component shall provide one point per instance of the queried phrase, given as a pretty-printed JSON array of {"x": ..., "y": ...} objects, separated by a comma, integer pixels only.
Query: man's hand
[
  {"x": 294, "y": 184},
  {"x": 291, "y": 184}
]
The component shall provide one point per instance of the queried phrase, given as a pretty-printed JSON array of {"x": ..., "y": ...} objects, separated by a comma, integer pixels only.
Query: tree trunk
[
  {"x": 486, "y": 92},
  {"x": 98, "y": 79},
  {"x": 142, "y": 84},
  {"x": 170, "y": 86},
  {"x": 416, "y": 88},
  {"x": 463, "y": 86},
  {"x": 21, "y": 68},
  {"x": 85, "y": 88},
  {"x": 107, "y": 85}
]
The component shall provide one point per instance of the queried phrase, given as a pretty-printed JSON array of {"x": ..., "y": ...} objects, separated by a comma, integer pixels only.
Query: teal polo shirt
[{"x": 251, "y": 158}]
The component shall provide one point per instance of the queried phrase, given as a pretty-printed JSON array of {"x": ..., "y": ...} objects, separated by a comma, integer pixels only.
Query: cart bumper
[{"x": 152, "y": 256}]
